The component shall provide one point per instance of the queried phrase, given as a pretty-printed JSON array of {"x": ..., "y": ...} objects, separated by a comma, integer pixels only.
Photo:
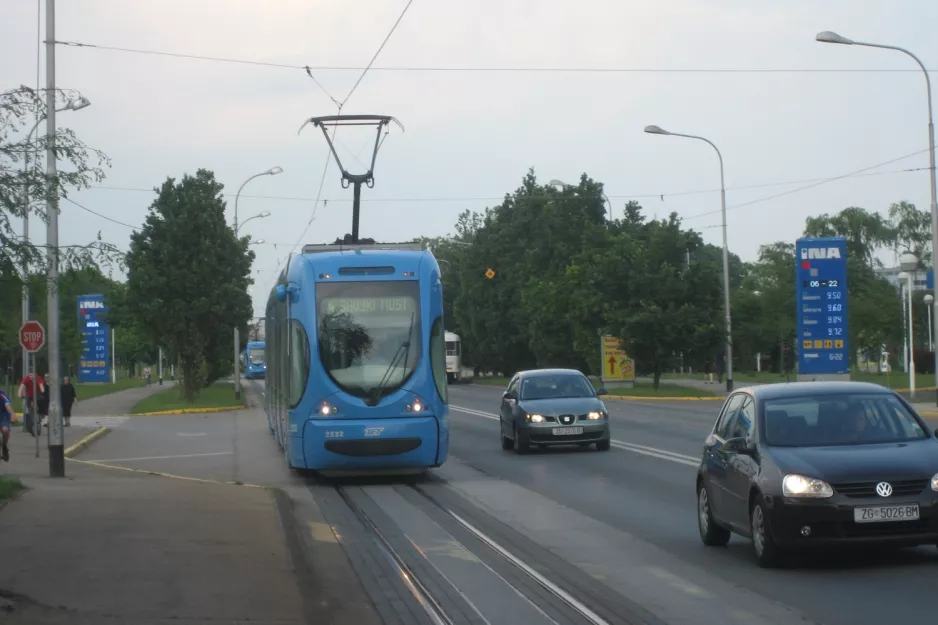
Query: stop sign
[{"x": 32, "y": 336}]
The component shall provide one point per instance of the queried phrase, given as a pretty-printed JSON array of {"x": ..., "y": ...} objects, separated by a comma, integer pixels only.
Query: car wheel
[
  {"x": 507, "y": 443},
  {"x": 521, "y": 447},
  {"x": 711, "y": 534},
  {"x": 767, "y": 552}
]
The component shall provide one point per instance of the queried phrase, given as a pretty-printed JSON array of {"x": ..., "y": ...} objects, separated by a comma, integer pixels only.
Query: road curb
[
  {"x": 639, "y": 398},
  {"x": 173, "y": 476},
  {"x": 87, "y": 440},
  {"x": 188, "y": 411}
]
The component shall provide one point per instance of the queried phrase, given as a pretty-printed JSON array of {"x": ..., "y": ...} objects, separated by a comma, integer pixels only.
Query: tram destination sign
[
  {"x": 821, "y": 306},
  {"x": 368, "y": 305}
]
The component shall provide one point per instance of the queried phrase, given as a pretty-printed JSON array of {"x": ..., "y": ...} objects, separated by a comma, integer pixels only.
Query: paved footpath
[{"x": 114, "y": 547}]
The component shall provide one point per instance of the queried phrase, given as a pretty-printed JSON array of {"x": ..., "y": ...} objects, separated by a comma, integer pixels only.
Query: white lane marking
[
  {"x": 219, "y": 453},
  {"x": 654, "y": 452},
  {"x": 190, "y": 433}
]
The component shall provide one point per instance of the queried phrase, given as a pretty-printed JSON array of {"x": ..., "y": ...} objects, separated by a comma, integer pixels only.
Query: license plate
[
  {"x": 880, "y": 514},
  {"x": 567, "y": 431}
]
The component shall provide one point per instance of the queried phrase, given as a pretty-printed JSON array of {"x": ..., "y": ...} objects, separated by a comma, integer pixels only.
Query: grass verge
[
  {"x": 87, "y": 390},
  {"x": 646, "y": 389},
  {"x": 641, "y": 388},
  {"x": 215, "y": 396},
  {"x": 9, "y": 486}
]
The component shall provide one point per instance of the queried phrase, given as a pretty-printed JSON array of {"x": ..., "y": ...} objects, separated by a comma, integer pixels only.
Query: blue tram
[
  {"x": 252, "y": 360},
  {"x": 356, "y": 359}
]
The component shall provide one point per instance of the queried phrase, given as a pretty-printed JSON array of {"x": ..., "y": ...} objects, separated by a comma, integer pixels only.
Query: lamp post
[
  {"x": 562, "y": 184},
  {"x": 929, "y": 300},
  {"x": 273, "y": 171},
  {"x": 832, "y": 37},
  {"x": 656, "y": 130},
  {"x": 908, "y": 263},
  {"x": 73, "y": 105},
  {"x": 911, "y": 350}
]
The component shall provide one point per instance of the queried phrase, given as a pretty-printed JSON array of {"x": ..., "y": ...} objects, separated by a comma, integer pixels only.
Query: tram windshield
[
  {"x": 256, "y": 355},
  {"x": 369, "y": 334}
]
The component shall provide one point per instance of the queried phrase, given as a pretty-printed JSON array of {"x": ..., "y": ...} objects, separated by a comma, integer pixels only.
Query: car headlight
[
  {"x": 801, "y": 486},
  {"x": 535, "y": 418},
  {"x": 934, "y": 482},
  {"x": 594, "y": 416}
]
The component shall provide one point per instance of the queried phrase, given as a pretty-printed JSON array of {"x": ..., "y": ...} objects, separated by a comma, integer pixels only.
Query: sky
[{"x": 471, "y": 136}]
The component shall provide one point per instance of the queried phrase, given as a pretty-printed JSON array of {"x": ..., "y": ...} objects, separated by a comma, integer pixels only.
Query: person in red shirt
[{"x": 26, "y": 394}]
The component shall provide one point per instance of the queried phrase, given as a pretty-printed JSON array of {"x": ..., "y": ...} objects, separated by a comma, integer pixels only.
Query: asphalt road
[
  {"x": 649, "y": 494},
  {"x": 617, "y": 528}
]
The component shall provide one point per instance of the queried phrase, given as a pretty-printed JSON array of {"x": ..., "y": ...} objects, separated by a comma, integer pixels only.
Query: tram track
[{"x": 546, "y": 591}]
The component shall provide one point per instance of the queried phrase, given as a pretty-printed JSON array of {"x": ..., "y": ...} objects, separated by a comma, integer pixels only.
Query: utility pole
[{"x": 56, "y": 434}]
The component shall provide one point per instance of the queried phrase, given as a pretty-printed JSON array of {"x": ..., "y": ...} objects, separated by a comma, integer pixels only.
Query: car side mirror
[
  {"x": 507, "y": 395},
  {"x": 602, "y": 391},
  {"x": 738, "y": 446}
]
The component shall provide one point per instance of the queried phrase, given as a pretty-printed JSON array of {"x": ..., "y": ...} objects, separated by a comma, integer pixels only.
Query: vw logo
[{"x": 884, "y": 489}]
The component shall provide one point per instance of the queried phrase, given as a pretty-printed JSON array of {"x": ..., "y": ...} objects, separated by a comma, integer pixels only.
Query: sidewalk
[
  {"x": 105, "y": 546},
  {"x": 116, "y": 404}
]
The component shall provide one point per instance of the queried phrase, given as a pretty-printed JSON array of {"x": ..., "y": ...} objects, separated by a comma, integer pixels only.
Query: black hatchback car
[
  {"x": 813, "y": 464},
  {"x": 553, "y": 407}
]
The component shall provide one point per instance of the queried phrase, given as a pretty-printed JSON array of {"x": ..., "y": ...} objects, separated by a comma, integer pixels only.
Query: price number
[
  {"x": 836, "y": 356},
  {"x": 835, "y": 307},
  {"x": 835, "y": 319},
  {"x": 835, "y": 332},
  {"x": 834, "y": 295}
]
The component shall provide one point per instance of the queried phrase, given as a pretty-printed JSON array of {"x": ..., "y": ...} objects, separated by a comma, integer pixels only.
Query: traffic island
[{"x": 215, "y": 398}]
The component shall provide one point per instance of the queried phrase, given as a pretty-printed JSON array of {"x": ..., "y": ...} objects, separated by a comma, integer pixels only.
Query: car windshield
[
  {"x": 841, "y": 419},
  {"x": 555, "y": 386},
  {"x": 256, "y": 355},
  {"x": 369, "y": 334}
]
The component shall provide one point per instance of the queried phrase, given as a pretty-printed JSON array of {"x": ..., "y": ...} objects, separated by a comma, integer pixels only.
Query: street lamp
[
  {"x": 273, "y": 171},
  {"x": 929, "y": 300},
  {"x": 657, "y": 130},
  {"x": 562, "y": 184},
  {"x": 831, "y": 37},
  {"x": 75, "y": 104},
  {"x": 261, "y": 215}
]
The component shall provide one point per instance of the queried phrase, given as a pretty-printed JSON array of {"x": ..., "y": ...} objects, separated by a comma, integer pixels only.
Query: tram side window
[
  {"x": 299, "y": 362},
  {"x": 438, "y": 357}
]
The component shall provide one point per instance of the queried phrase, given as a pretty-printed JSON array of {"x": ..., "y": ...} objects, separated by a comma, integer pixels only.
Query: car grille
[{"x": 868, "y": 489}]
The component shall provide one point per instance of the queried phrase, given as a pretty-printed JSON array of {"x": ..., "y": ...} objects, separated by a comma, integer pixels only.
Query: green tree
[
  {"x": 23, "y": 181},
  {"x": 188, "y": 276}
]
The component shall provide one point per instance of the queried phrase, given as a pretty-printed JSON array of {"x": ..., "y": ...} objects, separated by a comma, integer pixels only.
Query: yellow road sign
[
  {"x": 489, "y": 274},
  {"x": 616, "y": 363}
]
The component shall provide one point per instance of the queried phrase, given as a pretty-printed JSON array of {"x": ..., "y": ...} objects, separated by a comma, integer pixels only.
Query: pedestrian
[
  {"x": 44, "y": 401},
  {"x": 69, "y": 399},
  {"x": 708, "y": 371},
  {"x": 28, "y": 386},
  {"x": 6, "y": 419}
]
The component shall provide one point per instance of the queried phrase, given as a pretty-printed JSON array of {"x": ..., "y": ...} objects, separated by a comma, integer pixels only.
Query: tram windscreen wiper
[{"x": 402, "y": 350}]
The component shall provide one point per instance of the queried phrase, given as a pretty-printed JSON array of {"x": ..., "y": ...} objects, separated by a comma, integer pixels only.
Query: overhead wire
[
  {"x": 857, "y": 172},
  {"x": 482, "y": 69},
  {"x": 335, "y": 128},
  {"x": 499, "y": 198}
]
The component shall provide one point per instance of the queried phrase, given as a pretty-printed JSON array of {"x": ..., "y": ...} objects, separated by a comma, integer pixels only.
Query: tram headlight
[
  {"x": 327, "y": 409},
  {"x": 417, "y": 406}
]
